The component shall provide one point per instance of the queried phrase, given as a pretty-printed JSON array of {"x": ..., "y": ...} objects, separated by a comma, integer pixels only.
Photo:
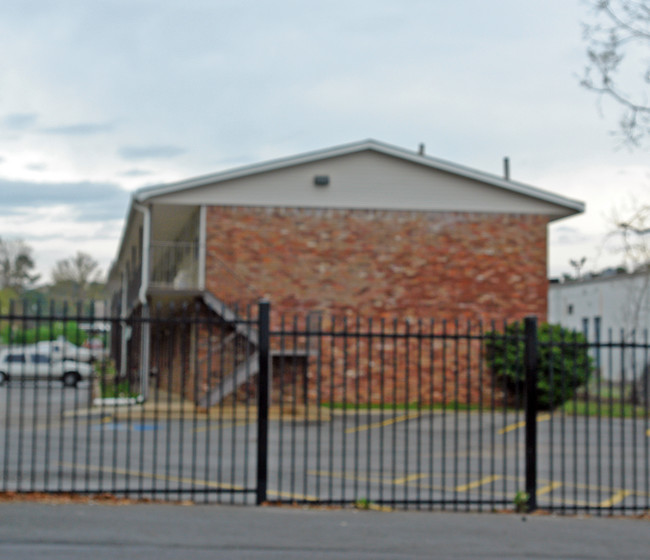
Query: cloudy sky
[{"x": 99, "y": 97}]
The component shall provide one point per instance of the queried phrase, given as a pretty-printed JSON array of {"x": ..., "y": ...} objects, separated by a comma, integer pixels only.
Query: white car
[
  {"x": 61, "y": 349},
  {"x": 24, "y": 363}
]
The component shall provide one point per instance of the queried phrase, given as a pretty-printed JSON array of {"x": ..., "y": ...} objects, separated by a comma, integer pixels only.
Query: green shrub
[
  {"x": 564, "y": 362},
  {"x": 16, "y": 335}
]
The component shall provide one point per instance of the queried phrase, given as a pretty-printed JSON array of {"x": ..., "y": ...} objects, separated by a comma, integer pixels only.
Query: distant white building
[{"x": 612, "y": 308}]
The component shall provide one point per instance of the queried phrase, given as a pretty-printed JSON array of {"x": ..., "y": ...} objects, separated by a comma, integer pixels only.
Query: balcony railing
[{"x": 175, "y": 265}]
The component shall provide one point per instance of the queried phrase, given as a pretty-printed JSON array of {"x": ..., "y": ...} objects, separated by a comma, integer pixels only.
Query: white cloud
[
  {"x": 93, "y": 88},
  {"x": 55, "y": 234}
]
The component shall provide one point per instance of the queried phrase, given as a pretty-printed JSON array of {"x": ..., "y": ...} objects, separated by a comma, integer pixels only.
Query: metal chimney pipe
[{"x": 506, "y": 168}]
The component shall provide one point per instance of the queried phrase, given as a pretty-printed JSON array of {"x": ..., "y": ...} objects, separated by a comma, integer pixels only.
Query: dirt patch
[{"x": 70, "y": 498}]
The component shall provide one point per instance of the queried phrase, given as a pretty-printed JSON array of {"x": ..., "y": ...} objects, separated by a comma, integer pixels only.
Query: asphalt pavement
[{"x": 99, "y": 531}]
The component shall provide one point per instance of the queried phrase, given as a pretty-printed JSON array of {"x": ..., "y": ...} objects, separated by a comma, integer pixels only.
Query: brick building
[{"x": 363, "y": 229}]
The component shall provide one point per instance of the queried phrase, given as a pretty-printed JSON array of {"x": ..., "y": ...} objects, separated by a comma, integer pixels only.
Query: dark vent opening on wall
[{"x": 321, "y": 180}]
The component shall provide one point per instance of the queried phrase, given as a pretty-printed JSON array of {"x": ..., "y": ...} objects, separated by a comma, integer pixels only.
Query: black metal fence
[{"x": 193, "y": 403}]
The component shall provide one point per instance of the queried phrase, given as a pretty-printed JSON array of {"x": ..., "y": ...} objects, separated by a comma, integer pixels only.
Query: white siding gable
[{"x": 365, "y": 180}]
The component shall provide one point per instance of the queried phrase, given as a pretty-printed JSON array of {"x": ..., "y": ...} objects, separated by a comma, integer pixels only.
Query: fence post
[
  {"x": 263, "y": 400},
  {"x": 531, "y": 364}
]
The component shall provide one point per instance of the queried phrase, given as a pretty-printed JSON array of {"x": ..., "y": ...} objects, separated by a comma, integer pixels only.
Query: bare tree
[
  {"x": 74, "y": 276},
  {"x": 618, "y": 44},
  {"x": 16, "y": 265},
  {"x": 633, "y": 232}
]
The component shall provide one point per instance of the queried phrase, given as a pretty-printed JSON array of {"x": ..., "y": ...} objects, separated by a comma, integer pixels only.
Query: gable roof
[{"x": 569, "y": 206}]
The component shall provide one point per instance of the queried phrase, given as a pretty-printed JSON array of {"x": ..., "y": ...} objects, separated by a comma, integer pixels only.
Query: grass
[
  {"x": 605, "y": 410},
  {"x": 121, "y": 389},
  {"x": 604, "y": 398},
  {"x": 398, "y": 406},
  {"x": 579, "y": 407},
  {"x": 460, "y": 406},
  {"x": 111, "y": 387}
]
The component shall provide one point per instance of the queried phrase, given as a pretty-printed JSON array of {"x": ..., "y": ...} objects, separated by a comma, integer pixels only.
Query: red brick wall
[{"x": 389, "y": 264}]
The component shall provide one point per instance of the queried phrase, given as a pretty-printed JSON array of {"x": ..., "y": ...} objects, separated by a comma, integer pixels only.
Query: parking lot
[{"x": 54, "y": 440}]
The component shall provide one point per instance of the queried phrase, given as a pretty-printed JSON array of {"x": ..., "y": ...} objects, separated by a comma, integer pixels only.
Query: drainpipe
[
  {"x": 123, "y": 315},
  {"x": 142, "y": 297},
  {"x": 202, "y": 248},
  {"x": 146, "y": 241}
]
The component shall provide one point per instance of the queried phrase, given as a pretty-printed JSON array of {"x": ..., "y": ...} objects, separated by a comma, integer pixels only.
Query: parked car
[
  {"x": 29, "y": 363},
  {"x": 62, "y": 349}
]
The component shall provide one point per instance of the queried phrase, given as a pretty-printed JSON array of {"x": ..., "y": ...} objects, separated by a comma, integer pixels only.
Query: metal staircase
[{"x": 244, "y": 370}]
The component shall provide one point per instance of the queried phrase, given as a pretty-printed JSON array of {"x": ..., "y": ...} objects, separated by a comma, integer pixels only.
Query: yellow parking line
[
  {"x": 186, "y": 480},
  {"x": 522, "y": 424},
  {"x": 616, "y": 498},
  {"x": 383, "y": 423},
  {"x": 512, "y": 427},
  {"x": 648, "y": 433},
  {"x": 548, "y": 488},
  {"x": 477, "y": 483},
  {"x": 409, "y": 478},
  {"x": 171, "y": 478}
]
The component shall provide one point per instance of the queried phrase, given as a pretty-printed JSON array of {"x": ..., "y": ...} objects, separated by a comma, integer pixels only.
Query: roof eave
[
  {"x": 252, "y": 169},
  {"x": 573, "y": 206}
]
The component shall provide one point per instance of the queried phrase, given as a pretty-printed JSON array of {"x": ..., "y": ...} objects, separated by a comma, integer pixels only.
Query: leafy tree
[
  {"x": 16, "y": 265},
  {"x": 564, "y": 362},
  {"x": 7, "y": 295},
  {"x": 618, "y": 42},
  {"x": 76, "y": 277}
]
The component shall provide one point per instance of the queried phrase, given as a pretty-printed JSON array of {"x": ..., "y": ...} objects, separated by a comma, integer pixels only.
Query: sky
[{"x": 100, "y": 97}]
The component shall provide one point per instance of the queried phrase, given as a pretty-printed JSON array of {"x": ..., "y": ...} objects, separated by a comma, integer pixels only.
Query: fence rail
[{"x": 313, "y": 409}]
